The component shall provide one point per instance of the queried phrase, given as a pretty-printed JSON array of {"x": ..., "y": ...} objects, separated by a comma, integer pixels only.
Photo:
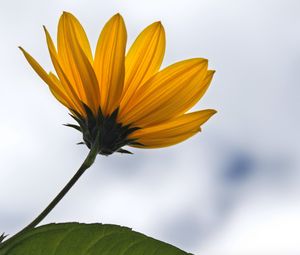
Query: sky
[{"x": 232, "y": 189}]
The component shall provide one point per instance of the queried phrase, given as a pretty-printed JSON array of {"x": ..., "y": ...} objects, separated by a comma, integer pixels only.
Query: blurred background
[{"x": 232, "y": 189}]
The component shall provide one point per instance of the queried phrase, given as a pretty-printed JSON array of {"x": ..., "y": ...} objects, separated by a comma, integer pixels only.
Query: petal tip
[
  {"x": 65, "y": 13},
  {"x": 23, "y": 51},
  {"x": 211, "y": 73},
  {"x": 212, "y": 112},
  {"x": 199, "y": 61},
  {"x": 46, "y": 31},
  {"x": 158, "y": 25},
  {"x": 117, "y": 16},
  {"x": 203, "y": 60}
]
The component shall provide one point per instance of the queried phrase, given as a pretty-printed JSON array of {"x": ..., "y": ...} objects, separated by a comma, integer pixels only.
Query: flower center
[{"x": 110, "y": 135}]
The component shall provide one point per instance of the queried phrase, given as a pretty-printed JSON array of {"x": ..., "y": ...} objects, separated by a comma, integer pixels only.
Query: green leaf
[{"x": 85, "y": 239}]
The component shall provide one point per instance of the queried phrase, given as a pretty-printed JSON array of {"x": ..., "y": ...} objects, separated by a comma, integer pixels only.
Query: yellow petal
[
  {"x": 109, "y": 63},
  {"x": 57, "y": 91},
  {"x": 68, "y": 87},
  {"x": 144, "y": 58},
  {"x": 173, "y": 131},
  {"x": 80, "y": 34},
  {"x": 199, "y": 92},
  {"x": 65, "y": 54},
  {"x": 165, "y": 142},
  {"x": 36, "y": 67},
  {"x": 81, "y": 66},
  {"x": 166, "y": 94}
]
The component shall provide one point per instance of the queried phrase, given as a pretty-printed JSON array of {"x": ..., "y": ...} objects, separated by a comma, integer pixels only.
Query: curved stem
[{"x": 85, "y": 165}]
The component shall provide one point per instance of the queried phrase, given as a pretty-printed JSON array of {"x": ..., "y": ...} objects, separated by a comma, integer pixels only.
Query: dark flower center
[{"x": 109, "y": 135}]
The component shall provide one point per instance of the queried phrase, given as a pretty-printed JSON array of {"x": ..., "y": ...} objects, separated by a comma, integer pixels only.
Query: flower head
[{"x": 123, "y": 99}]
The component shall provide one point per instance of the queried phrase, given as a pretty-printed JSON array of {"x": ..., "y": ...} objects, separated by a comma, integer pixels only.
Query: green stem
[{"x": 85, "y": 165}]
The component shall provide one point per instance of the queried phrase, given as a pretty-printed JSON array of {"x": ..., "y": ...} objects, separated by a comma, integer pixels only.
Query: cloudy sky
[{"x": 233, "y": 189}]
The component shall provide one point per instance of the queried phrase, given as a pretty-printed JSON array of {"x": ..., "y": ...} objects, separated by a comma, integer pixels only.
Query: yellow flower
[{"x": 123, "y": 100}]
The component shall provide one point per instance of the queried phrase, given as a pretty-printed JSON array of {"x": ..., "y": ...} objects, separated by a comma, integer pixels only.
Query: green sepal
[
  {"x": 114, "y": 114},
  {"x": 80, "y": 121},
  {"x": 124, "y": 151},
  {"x": 112, "y": 134},
  {"x": 73, "y": 126}
]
